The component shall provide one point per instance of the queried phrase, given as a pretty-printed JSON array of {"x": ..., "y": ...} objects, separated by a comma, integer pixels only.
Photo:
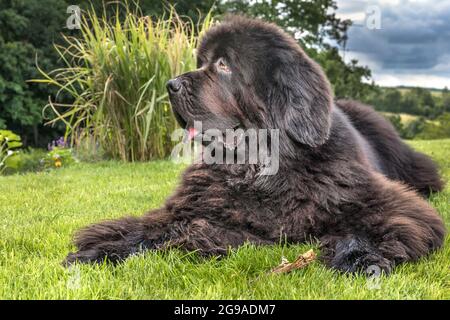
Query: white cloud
[
  {"x": 413, "y": 46},
  {"x": 414, "y": 80}
]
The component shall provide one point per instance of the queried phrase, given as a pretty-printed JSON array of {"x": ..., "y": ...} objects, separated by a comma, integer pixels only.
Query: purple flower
[{"x": 60, "y": 143}]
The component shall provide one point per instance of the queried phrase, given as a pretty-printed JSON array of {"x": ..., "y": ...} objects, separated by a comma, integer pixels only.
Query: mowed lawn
[{"x": 39, "y": 213}]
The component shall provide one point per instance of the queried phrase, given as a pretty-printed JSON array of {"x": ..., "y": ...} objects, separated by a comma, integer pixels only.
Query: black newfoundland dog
[{"x": 345, "y": 178}]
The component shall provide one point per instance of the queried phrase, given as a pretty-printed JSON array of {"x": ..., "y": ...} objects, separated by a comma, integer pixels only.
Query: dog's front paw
[{"x": 356, "y": 255}]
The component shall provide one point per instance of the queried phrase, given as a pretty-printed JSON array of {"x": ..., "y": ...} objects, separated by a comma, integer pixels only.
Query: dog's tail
[{"x": 424, "y": 174}]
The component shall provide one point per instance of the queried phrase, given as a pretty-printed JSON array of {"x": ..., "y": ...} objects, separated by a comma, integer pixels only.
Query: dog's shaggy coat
[{"x": 345, "y": 177}]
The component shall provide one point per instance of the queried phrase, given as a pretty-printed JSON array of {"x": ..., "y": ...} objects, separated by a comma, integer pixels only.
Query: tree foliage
[
  {"x": 27, "y": 30},
  {"x": 314, "y": 21},
  {"x": 414, "y": 101}
]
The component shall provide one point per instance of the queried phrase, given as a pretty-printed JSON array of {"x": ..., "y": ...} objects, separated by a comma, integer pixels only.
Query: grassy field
[
  {"x": 434, "y": 92},
  {"x": 404, "y": 117},
  {"x": 40, "y": 211}
]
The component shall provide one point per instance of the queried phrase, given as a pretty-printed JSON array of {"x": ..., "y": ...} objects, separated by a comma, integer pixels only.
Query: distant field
[
  {"x": 405, "y": 117},
  {"x": 434, "y": 92}
]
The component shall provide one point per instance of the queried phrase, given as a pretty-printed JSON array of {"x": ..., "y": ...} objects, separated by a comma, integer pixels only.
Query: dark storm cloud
[{"x": 413, "y": 35}]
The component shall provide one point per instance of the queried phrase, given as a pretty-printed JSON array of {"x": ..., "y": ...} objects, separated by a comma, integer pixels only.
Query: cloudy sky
[{"x": 412, "y": 46}]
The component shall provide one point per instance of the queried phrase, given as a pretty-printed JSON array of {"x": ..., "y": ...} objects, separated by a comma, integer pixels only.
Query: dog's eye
[{"x": 222, "y": 66}]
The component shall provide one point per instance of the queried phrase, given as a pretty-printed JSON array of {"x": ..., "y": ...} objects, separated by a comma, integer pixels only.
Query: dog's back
[{"x": 396, "y": 159}]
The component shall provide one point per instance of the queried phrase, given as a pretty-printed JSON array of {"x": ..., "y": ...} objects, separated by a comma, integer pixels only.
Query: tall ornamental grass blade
[{"x": 115, "y": 72}]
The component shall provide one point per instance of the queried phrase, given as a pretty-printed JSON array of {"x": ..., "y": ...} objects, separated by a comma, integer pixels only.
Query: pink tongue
[{"x": 192, "y": 133}]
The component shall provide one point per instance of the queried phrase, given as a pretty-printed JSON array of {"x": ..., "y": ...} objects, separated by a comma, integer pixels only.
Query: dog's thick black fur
[{"x": 345, "y": 177}]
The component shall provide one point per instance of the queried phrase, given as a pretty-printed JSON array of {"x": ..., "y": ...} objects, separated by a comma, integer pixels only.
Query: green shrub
[
  {"x": 438, "y": 129},
  {"x": 9, "y": 142},
  {"x": 396, "y": 121},
  {"x": 30, "y": 160},
  {"x": 116, "y": 73},
  {"x": 421, "y": 128},
  {"x": 414, "y": 128},
  {"x": 58, "y": 157}
]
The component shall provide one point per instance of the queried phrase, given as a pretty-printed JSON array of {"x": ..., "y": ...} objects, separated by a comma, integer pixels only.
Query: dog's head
[{"x": 251, "y": 74}]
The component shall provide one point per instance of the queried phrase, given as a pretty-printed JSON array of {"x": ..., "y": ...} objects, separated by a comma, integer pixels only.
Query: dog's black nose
[{"x": 173, "y": 85}]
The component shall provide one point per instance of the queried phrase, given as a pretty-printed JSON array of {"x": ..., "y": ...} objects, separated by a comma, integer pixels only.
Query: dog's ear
[{"x": 304, "y": 95}]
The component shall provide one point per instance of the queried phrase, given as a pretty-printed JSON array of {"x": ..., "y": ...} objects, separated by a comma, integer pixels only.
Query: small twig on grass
[{"x": 302, "y": 261}]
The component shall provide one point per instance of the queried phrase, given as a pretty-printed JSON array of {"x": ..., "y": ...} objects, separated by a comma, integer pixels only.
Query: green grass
[{"x": 40, "y": 211}]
